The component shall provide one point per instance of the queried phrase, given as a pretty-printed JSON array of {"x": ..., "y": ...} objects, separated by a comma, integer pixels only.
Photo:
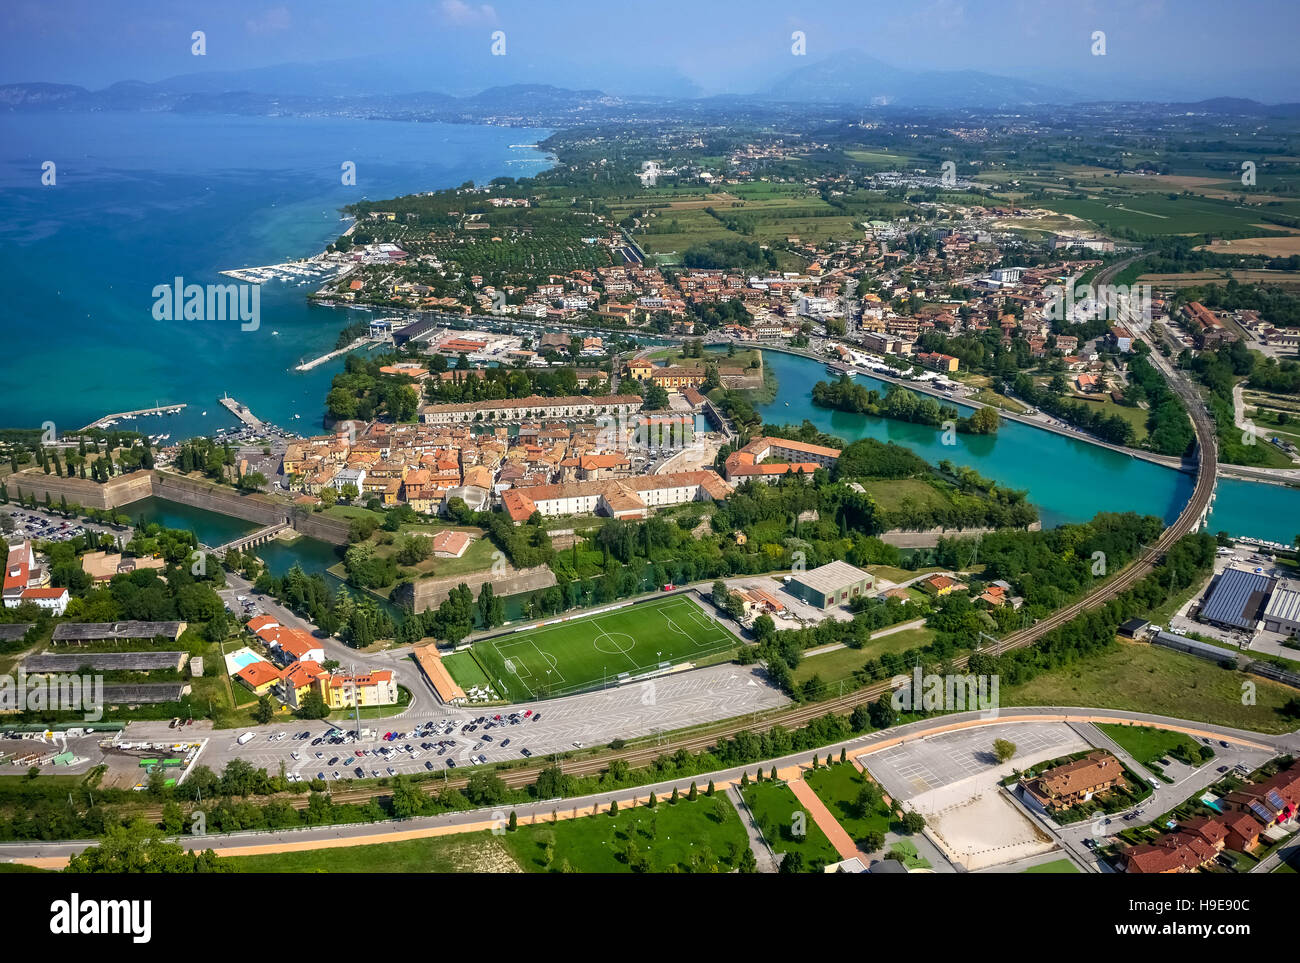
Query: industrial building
[
  {"x": 1237, "y": 600},
  {"x": 829, "y": 585},
  {"x": 1282, "y": 613},
  {"x": 126, "y": 631}
]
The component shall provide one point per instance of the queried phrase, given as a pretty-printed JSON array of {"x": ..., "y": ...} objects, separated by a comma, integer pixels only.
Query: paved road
[{"x": 790, "y": 766}]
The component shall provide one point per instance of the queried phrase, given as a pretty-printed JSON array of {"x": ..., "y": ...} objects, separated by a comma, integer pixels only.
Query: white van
[{"x": 246, "y": 738}]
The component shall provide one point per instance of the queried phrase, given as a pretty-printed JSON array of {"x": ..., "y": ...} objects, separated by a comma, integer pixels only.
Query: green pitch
[{"x": 585, "y": 653}]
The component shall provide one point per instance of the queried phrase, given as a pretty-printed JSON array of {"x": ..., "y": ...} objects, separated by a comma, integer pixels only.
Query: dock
[
  {"x": 139, "y": 412},
  {"x": 316, "y": 362},
  {"x": 241, "y": 411}
]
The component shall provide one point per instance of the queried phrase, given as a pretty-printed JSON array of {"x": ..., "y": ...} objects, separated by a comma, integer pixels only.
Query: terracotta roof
[
  {"x": 302, "y": 674},
  {"x": 1081, "y": 775},
  {"x": 258, "y": 673}
]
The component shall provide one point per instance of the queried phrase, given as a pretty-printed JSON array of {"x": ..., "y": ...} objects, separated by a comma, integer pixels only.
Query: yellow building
[{"x": 377, "y": 688}]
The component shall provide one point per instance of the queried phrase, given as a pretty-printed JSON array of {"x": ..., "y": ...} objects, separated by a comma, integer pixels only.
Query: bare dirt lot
[
  {"x": 1272, "y": 246},
  {"x": 1197, "y": 278}
]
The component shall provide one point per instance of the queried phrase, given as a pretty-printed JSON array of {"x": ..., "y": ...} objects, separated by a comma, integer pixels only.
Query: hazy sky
[{"x": 1157, "y": 48}]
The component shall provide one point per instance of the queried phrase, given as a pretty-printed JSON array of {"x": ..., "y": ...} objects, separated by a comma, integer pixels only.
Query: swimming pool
[{"x": 244, "y": 659}]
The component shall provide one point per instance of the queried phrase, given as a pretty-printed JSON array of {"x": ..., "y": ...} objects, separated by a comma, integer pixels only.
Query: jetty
[
  {"x": 139, "y": 412},
  {"x": 241, "y": 411},
  {"x": 316, "y": 362}
]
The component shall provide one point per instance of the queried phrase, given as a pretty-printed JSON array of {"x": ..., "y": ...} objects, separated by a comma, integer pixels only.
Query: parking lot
[
  {"x": 554, "y": 725},
  {"x": 339, "y": 754},
  {"x": 953, "y": 780},
  {"x": 914, "y": 768},
  {"x": 41, "y": 526}
]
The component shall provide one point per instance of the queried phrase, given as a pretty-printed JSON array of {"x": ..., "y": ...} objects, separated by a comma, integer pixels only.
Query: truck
[{"x": 246, "y": 738}]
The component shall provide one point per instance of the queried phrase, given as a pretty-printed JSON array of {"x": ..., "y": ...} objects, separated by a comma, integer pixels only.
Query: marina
[
  {"x": 108, "y": 421},
  {"x": 316, "y": 269}
]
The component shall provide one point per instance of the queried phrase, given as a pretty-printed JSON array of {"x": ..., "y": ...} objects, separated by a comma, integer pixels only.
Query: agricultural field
[
  {"x": 1219, "y": 276},
  {"x": 761, "y": 213},
  {"x": 1159, "y": 214},
  {"x": 1268, "y": 246},
  {"x": 586, "y": 652}
]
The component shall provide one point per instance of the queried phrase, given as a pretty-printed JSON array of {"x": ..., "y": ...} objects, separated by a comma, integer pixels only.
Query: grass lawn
[
  {"x": 1144, "y": 678},
  {"x": 1055, "y": 866},
  {"x": 890, "y": 494},
  {"x": 1162, "y": 614},
  {"x": 897, "y": 575},
  {"x": 838, "y": 787},
  {"x": 774, "y": 807},
  {"x": 842, "y": 663},
  {"x": 705, "y": 836},
  {"x": 991, "y": 397},
  {"x": 1148, "y": 745},
  {"x": 911, "y": 858},
  {"x": 581, "y": 653},
  {"x": 465, "y": 670},
  {"x": 1136, "y": 417},
  {"x": 467, "y": 853}
]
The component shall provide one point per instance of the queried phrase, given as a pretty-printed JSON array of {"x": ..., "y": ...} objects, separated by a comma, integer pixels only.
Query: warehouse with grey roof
[
  {"x": 1237, "y": 600},
  {"x": 835, "y": 583},
  {"x": 82, "y": 632},
  {"x": 1283, "y": 611}
]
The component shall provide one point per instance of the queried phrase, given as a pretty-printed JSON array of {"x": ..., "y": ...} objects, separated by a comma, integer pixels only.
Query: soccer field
[{"x": 585, "y": 653}]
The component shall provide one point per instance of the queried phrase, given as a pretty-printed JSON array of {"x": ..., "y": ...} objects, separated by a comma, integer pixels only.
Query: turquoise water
[
  {"x": 1069, "y": 481},
  {"x": 1270, "y": 512},
  {"x": 311, "y": 554},
  {"x": 142, "y": 198},
  {"x": 211, "y": 528},
  {"x": 244, "y": 659}
]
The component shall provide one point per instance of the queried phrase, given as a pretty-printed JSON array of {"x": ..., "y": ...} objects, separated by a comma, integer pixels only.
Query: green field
[
  {"x": 1144, "y": 678},
  {"x": 1158, "y": 214},
  {"x": 702, "y": 836},
  {"x": 1145, "y": 744},
  {"x": 839, "y": 664},
  {"x": 774, "y": 807},
  {"x": 586, "y": 652},
  {"x": 838, "y": 787},
  {"x": 1055, "y": 866}
]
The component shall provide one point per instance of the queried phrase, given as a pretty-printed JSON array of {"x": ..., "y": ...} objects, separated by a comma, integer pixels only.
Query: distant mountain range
[
  {"x": 364, "y": 87},
  {"x": 853, "y": 77}
]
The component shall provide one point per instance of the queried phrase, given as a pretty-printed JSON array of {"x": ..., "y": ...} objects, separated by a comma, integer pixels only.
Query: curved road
[{"x": 56, "y": 854}]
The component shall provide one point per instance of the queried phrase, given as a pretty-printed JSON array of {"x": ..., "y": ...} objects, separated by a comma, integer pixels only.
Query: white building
[{"x": 348, "y": 476}]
